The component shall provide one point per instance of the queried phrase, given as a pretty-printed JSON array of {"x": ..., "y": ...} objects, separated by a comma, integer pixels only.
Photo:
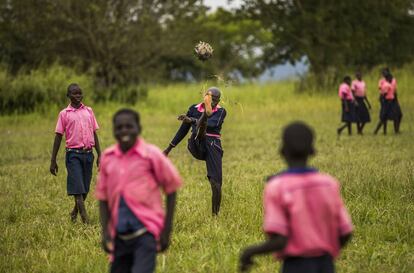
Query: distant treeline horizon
[{"x": 122, "y": 43}]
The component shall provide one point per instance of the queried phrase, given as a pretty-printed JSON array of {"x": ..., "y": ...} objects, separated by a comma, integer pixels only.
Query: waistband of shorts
[
  {"x": 79, "y": 150},
  {"x": 133, "y": 235},
  {"x": 213, "y": 135}
]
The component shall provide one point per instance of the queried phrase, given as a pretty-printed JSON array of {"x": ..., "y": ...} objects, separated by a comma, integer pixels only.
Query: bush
[
  {"x": 27, "y": 92},
  {"x": 124, "y": 94}
]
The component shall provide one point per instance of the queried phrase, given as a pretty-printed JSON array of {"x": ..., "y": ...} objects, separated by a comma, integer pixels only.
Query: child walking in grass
[
  {"x": 359, "y": 90},
  {"x": 131, "y": 177},
  {"x": 77, "y": 122},
  {"x": 304, "y": 218},
  {"x": 348, "y": 105}
]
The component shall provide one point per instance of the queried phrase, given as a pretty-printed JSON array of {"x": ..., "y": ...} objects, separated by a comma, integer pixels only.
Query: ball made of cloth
[{"x": 203, "y": 51}]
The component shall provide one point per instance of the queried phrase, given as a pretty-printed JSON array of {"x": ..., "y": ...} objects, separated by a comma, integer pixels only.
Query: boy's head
[
  {"x": 126, "y": 126},
  {"x": 347, "y": 80},
  {"x": 358, "y": 75},
  {"x": 74, "y": 93},
  {"x": 297, "y": 142}
]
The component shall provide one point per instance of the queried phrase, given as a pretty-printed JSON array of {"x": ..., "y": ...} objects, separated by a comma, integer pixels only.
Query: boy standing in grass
[
  {"x": 77, "y": 122},
  {"x": 131, "y": 177},
  {"x": 205, "y": 120},
  {"x": 304, "y": 217}
]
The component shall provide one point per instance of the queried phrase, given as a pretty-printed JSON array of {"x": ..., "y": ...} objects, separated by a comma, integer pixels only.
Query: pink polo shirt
[
  {"x": 383, "y": 85},
  {"x": 306, "y": 208},
  {"x": 138, "y": 175},
  {"x": 359, "y": 88},
  {"x": 345, "y": 92},
  {"x": 389, "y": 90},
  {"x": 78, "y": 125}
]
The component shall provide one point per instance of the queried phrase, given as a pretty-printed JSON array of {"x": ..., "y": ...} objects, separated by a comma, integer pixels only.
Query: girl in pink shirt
[
  {"x": 359, "y": 90},
  {"x": 305, "y": 220},
  {"x": 390, "y": 107},
  {"x": 348, "y": 105}
]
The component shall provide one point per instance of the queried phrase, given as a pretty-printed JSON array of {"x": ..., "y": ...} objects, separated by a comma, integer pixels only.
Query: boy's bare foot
[{"x": 207, "y": 104}]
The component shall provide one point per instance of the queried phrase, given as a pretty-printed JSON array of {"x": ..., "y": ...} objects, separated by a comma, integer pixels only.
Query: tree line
[{"x": 124, "y": 42}]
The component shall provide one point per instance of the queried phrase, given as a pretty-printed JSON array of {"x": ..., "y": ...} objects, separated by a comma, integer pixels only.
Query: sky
[
  {"x": 276, "y": 73},
  {"x": 214, "y": 4}
]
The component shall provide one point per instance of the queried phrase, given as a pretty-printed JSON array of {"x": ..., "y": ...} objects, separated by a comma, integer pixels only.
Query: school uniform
[
  {"x": 347, "y": 101},
  {"x": 305, "y": 206},
  {"x": 362, "y": 112},
  {"x": 131, "y": 183},
  {"x": 391, "y": 108},
  {"x": 78, "y": 125},
  {"x": 208, "y": 149}
]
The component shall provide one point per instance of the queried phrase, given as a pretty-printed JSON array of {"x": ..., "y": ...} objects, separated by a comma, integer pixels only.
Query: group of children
[
  {"x": 305, "y": 219},
  {"x": 355, "y": 104}
]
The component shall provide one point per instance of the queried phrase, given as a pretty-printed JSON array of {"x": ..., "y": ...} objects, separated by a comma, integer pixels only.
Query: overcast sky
[{"x": 214, "y": 4}]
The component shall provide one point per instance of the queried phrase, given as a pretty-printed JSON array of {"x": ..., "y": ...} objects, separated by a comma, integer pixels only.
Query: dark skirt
[
  {"x": 362, "y": 110},
  {"x": 349, "y": 116},
  {"x": 391, "y": 110}
]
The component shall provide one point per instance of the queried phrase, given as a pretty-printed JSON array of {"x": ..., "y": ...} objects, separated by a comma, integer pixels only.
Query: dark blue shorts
[
  {"x": 208, "y": 149},
  {"x": 322, "y": 264},
  {"x": 79, "y": 167},
  {"x": 137, "y": 255}
]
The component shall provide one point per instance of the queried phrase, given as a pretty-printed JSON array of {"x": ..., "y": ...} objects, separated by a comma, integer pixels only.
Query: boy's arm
[
  {"x": 369, "y": 104},
  {"x": 97, "y": 148},
  {"x": 56, "y": 146},
  {"x": 165, "y": 235},
  {"x": 344, "y": 239},
  {"x": 181, "y": 133},
  {"x": 104, "y": 216},
  {"x": 275, "y": 242}
]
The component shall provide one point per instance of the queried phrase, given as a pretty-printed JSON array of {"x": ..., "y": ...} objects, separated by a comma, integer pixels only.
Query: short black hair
[
  {"x": 71, "y": 87},
  {"x": 347, "y": 78},
  {"x": 127, "y": 111},
  {"x": 298, "y": 140}
]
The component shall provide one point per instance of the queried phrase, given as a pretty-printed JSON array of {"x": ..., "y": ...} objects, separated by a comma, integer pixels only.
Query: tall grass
[{"x": 376, "y": 173}]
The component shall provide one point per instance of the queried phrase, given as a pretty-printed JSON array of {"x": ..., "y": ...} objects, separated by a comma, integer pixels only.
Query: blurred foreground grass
[{"x": 376, "y": 173}]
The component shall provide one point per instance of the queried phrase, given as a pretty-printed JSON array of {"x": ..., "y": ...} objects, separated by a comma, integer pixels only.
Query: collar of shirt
[
  {"x": 138, "y": 148},
  {"x": 300, "y": 170},
  {"x": 200, "y": 107},
  {"x": 71, "y": 108}
]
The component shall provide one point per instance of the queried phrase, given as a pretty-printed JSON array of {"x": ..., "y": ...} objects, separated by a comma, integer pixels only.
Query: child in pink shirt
[
  {"x": 77, "y": 122},
  {"x": 131, "y": 177},
  {"x": 304, "y": 217},
  {"x": 348, "y": 105},
  {"x": 359, "y": 89},
  {"x": 390, "y": 107}
]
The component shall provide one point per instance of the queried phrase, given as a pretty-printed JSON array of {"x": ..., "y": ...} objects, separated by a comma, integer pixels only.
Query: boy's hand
[
  {"x": 167, "y": 150},
  {"x": 98, "y": 161},
  {"x": 184, "y": 118},
  {"x": 53, "y": 167},
  {"x": 107, "y": 245},
  {"x": 245, "y": 261},
  {"x": 164, "y": 242}
]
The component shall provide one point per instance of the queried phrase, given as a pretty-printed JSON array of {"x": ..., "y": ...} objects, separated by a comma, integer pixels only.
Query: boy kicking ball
[
  {"x": 304, "y": 217},
  {"x": 131, "y": 177}
]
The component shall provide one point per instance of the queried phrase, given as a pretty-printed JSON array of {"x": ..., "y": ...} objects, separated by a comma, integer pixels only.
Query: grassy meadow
[{"x": 376, "y": 173}]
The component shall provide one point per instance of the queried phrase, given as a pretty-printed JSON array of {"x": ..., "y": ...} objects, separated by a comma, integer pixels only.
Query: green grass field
[{"x": 376, "y": 173}]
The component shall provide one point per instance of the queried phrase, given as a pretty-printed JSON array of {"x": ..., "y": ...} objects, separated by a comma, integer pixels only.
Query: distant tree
[{"x": 334, "y": 35}]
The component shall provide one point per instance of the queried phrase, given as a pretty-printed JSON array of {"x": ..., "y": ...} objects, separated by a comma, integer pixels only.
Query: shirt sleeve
[
  {"x": 95, "y": 125},
  {"x": 101, "y": 192},
  {"x": 165, "y": 173},
  {"x": 182, "y": 131},
  {"x": 275, "y": 218},
  {"x": 60, "y": 125},
  {"x": 345, "y": 222}
]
